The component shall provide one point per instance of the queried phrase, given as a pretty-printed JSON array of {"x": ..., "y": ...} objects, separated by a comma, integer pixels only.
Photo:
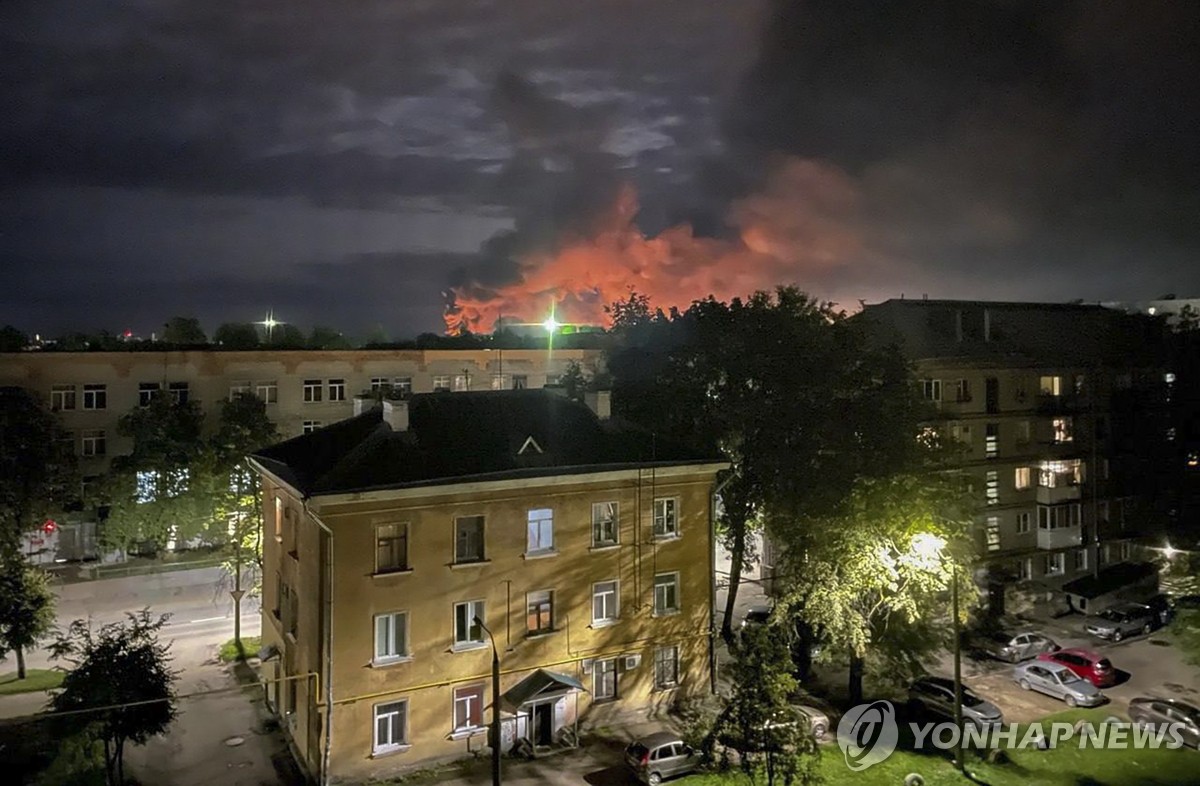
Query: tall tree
[
  {"x": 38, "y": 473},
  {"x": 185, "y": 331},
  {"x": 122, "y": 664},
  {"x": 286, "y": 336},
  {"x": 323, "y": 337},
  {"x": 236, "y": 335},
  {"x": 26, "y": 608},
  {"x": 12, "y": 340}
]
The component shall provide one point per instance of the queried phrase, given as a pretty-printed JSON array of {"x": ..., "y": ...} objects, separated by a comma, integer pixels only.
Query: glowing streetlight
[
  {"x": 551, "y": 324},
  {"x": 1170, "y": 552}
]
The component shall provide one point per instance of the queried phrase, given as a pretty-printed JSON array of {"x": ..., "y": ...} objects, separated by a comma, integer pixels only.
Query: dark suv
[{"x": 1125, "y": 619}]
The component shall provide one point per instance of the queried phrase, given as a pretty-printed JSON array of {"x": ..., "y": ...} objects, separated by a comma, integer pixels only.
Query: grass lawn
[
  {"x": 35, "y": 679},
  {"x": 1065, "y": 765},
  {"x": 251, "y": 645}
]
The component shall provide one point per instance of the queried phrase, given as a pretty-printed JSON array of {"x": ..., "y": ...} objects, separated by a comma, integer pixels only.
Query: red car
[{"x": 1092, "y": 666}]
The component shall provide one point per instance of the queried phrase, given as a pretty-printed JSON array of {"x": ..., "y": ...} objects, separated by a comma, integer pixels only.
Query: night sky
[{"x": 350, "y": 163}]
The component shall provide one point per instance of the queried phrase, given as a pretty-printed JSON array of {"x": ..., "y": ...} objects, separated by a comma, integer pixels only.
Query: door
[{"x": 543, "y": 724}]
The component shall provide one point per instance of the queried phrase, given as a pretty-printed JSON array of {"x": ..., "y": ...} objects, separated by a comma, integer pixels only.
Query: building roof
[
  {"x": 1114, "y": 577},
  {"x": 460, "y": 437},
  {"x": 541, "y": 684},
  {"x": 1046, "y": 334}
]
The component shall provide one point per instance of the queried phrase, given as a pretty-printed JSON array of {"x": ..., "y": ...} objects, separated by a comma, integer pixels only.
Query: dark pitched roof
[{"x": 456, "y": 437}]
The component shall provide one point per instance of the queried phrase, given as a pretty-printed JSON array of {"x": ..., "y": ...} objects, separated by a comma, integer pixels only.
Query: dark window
[{"x": 991, "y": 395}]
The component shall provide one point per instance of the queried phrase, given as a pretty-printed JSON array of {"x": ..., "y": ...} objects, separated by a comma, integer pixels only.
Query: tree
[
  {"x": 123, "y": 663},
  {"x": 574, "y": 381},
  {"x": 759, "y": 722},
  {"x": 26, "y": 608},
  {"x": 873, "y": 576},
  {"x": 185, "y": 331},
  {"x": 12, "y": 340},
  {"x": 236, "y": 335},
  {"x": 38, "y": 474},
  {"x": 327, "y": 338},
  {"x": 285, "y": 336}
]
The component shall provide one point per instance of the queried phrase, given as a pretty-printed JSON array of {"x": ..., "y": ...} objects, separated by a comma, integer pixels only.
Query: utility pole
[
  {"x": 495, "y": 704},
  {"x": 958, "y": 702},
  {"x": 237, "y": 591}
]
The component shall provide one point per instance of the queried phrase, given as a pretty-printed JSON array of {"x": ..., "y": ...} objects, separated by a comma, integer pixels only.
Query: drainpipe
[
  {"x": 712, "y": 581},
  {"x": 327, "y": 624}
]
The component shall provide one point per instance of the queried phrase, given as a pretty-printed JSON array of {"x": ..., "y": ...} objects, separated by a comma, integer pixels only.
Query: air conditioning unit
[
  {"x": 632, "y": 662},
  {"x": 586, "y": 663}
]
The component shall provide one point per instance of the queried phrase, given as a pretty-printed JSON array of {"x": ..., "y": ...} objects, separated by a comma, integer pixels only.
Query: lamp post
[
  {"x": 495, "y": 704},
  {"x": 932, "y": 549}
]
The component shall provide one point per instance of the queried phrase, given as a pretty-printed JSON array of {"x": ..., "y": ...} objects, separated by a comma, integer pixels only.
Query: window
[
  {"x": 605, "y": 603},
  {"x": 462, "y": 382},
  {"x": 604, "y": 523},
  {"x": 541, "y": 531},
  {"x": 312, "y": 391},
  {"x": 604, "y": 679},
  {"x": 95, "y": 397},
  {"x": 991, "y": 442},
  {"x": 379, "y": 384},
  {"x": 666, "y": 517},
  {"x": 992, "y": 533},
  {"x": 278, "y": 519},
  {"x": 1081, "y": 561},
  {"x": 280, "y": 589},
  {"x": 238, "y": 389},
  {"x": 553, "y": 379},
  {"x": 391, "y": 726},
  {"x": 93, "y": 443},
  {"x": 992, "y": 487},
  {"x": 520, "y": 381},
  {"x": 391, "y": 637},
  {"x": 391, "y": 548},
  {"x": 666, "y": 593},
  {"x": 146, "y": 392},
  {"x": 1102, "y": 510},
  {"x": 62, "y": 397},
  {"x": 337, "y": 390},
  {"x": 467, "y": 632},
  {"x": 309, "y": 426},
  {"x": 1063, "y": 431},
  {"x": 468, "y": 539},
  {"x": 441, "y": 384},
  {"x": 1054, "y": 564},
  {"x": 962, "y": 391},
  {"x": 1024, "y": 432},
  {"x": 1059, "y": 516},
  {"x": 179, "y": 392},
  {"x": 1050, "y": 386},
  {"x": 1126, "y": 550},
  {"x": 1022, "y": 478},
  {"x": 539, "y": 612},
  {"x": 961, "y": 432},
  {"x": 402, "y": 386},
  {"x": 498, "y": 382},
  {"x": 1059, "y": 474},
  {"x": 931, "y": 389},
  {"x": 991, "y": 395},
  {"x": 468, "y": 708},
  {"x": 267, "y": 391},
  {"x": 1025, "y": 570},
  {"x": 666, "y": 667},
  {"x": 1023, "y": 523}
]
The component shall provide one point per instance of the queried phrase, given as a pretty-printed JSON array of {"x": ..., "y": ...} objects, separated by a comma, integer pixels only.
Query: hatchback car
[
  {"x": 936, "y": 695},
  {"x": 1125, "y": 619},
  {"x": 1092, "y": 666},
  {"x": 1059, "y": 682},
  {"x": 1153, "y": 712},
  {"x": 659, "y": 756},
  {"x": 1012, "y": 647}
]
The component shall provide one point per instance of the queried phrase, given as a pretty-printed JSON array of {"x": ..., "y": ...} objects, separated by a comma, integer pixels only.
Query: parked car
[
  {"x": 1012, "y": 647},
  {"x": 1059, "y": 682},
  {"x": 1092, "y": 666},
  {"x": 936, "y": 695},
  {"x": 1187, "y": 602},
  {"x": 1154, "y": 712},
  {"x": 818, "y": 720},
  {"x": 659, "y": 756},
  {"x": 1124, "y": 619},
  {"x": 1163, "y": 607}
]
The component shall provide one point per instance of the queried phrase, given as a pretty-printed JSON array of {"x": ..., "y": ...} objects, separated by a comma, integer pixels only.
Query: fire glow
[{"x": 800, "y": 224}]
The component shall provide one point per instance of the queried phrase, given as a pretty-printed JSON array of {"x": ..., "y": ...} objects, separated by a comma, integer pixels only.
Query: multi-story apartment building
[
  {"x": 404, "y": 543},
  {"x": 1056, "y": 409}
]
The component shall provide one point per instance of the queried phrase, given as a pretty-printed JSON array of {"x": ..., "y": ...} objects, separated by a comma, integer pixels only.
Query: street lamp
[
  {"x": 931, "y": 550},
  {"x": 495, "y": 704}
]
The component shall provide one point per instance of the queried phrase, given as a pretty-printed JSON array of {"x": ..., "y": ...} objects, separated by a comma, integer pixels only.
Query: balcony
[
  {"x": 1057, "y": 494},
  {"x": 1057, "y": 405},
  {"x": 1060, "y": 537}
]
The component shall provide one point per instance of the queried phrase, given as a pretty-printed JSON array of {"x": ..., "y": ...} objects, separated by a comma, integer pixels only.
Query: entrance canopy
[{"x": 540, "y": 685}]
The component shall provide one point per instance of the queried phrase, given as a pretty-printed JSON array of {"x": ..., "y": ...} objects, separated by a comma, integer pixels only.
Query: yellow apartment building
[{"x": 407, "y": 541}]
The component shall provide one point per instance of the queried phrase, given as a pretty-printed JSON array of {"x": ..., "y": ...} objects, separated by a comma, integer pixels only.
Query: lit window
[
  {"x": 604, "y": 523},
  {"x": 146, "y": 393},
  {"x": 467, "y": 632},
  {"x": 666, "y": 593},
  {"x": 468, "y": 708},
  {"x": 992, "y": 487},
  {"x": 462, "y": 382},
  {"x": 95, "y": 397},
  {"x": 337, "y": 390},
  {"x": 1059, "y": 474},
  {"x": 604, "y": 679},
  {"x": 498, "y": 382},
  {"x": 94, "y": 443},
  {"x": 1063, "y": 430},
  {"x": 991, "y": 444},
  {"x": 1051, "y": 386},
  {"x": 468, "y": 539},
  {"x": 441, "y": 384},
  {"x": 312, "y": 391},
  {"x": 267, "y": 391},
  {"x": 931, "y": 389},
  {"x": 1022, "y": 478},
  {"x": 666, "y": 517},
  {"x": 62, "y": 397},
  {"x": 391, "y": 726},
  {"x": 391, "y": 548},
  {"x": 391, "y": 636},
  {"x": 666, "y": 667},
  {"x": 540, "y": 531},
  {"x": 993, "y": 533},
  {"x": 605, "y": 603},
  {"x": 539, "y": 616}
]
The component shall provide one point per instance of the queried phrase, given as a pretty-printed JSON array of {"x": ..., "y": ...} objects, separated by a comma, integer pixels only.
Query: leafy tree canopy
[
  {"x": 26, "y": 608},
  {"x": 38, "y": 473},
  {"x": 327, "y": 338},
  {"x": 185, "y": 331},
  {"x": 236, "y": 335}
]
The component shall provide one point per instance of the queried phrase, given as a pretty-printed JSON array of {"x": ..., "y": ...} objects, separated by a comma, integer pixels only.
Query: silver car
[
  {"x": 1125, "y": 619},
  {"x": 659, "y": 756},
  {"x": 1059, "y": 682},
  {"x": 936, "y": 695},
  {"x": 1015, "y": 647}
]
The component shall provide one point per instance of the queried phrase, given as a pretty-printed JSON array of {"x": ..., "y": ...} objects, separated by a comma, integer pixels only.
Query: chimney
[
  {"x": 600, "y": 402},
  {"x": 987, "y": 325},
  {"x": 364, "y": 404},
  {"x": 395, "y": 414}
]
